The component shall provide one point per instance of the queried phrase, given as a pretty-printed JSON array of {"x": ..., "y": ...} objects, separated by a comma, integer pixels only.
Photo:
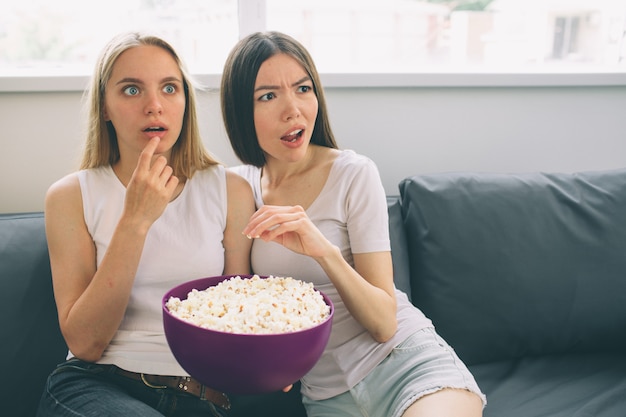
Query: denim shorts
[{"x": 422, "y": 364}]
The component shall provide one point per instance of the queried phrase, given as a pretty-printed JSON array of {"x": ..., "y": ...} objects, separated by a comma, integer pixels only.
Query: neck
[
  {"x": 122, "y": 173},
  {"x": 275, "y": 171}
]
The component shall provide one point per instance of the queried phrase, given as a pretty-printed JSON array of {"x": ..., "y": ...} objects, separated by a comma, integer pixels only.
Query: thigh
[
  {"x": 447, "y": 402},
  {"x": 425, "y": 365},
  {"x": 76, "y": 388},
  {"x": 417, "y": 368}
]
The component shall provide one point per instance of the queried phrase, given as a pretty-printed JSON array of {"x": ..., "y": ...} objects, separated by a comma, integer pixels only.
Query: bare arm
[
  {"x": 367, "y": 290},
  {"x": 91, "y": 302},
  {"x": 240, "y": 208}
]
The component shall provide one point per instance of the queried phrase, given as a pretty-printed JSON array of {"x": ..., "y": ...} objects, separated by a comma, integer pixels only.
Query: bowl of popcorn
[{"x": 247, "y": 334}]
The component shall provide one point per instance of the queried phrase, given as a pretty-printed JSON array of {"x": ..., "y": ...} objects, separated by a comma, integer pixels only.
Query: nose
[
  {"x": 292, "y": 110},
  {"x": 153, "y": 105}
]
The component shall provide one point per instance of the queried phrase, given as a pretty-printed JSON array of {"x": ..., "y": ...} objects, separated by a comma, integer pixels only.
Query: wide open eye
[
  {"x": 131, "y": 90},
  {"x": 170, "y": 89}
]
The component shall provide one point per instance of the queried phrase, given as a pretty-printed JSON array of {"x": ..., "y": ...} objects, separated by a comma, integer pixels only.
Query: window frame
[{"x": 252, "y": 17}]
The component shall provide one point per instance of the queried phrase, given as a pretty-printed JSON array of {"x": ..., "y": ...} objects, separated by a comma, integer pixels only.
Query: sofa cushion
[
  {"x": 576, "y": 385},
  {"x": 510, "y": 265},
  {"x": 32, "y": 343}
]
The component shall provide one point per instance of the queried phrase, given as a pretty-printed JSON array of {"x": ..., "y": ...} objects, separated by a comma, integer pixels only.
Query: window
[
  {"x": 42, "y": 38},
  {"x": 65, "y": 36},
  {"x": 414, "y": 36}
]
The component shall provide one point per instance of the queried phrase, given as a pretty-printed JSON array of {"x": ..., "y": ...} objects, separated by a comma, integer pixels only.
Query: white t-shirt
[
  {"x": 351, "y": 211},
  {"x": 185, "y": 243}
]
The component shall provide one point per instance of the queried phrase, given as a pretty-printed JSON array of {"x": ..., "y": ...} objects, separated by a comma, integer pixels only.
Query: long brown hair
[{"x": 237, "y": 92}]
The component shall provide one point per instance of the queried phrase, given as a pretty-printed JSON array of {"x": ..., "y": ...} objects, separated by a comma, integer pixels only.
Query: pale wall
[{"x": 405, "y": 131}]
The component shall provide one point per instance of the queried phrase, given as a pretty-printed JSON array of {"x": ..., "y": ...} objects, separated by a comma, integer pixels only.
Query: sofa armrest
[{"x": 32, "y": 344}]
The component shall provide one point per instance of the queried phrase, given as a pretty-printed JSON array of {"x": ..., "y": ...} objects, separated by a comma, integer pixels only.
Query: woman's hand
[
  {"x": 151, "y": 186},
  {"x": 291, "y": 227},
  {"x": 369, "y": 283}
]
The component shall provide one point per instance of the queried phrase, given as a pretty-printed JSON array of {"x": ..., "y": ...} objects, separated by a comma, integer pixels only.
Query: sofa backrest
[
  {"x": 509, "y": 265},
  {"x": 399, "y": 250},
  {"x": 32, "y": 343}
]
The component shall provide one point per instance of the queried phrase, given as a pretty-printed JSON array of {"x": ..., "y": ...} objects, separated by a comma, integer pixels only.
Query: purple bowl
[{"x": 242, "y": 363}]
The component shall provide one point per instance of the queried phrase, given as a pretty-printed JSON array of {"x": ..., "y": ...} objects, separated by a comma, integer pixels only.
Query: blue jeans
[{"x": 78, "y": 388}]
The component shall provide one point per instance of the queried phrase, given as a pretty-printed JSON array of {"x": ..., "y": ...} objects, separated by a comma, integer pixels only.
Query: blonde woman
[{"x": 148, "y": 209}]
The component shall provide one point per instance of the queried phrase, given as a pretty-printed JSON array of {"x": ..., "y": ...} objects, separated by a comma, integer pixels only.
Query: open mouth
[
  {"x": 293, "y": 136},
  {"x": 154, "y": 129}
]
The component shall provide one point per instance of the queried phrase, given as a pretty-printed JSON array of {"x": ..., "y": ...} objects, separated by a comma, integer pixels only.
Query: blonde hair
[{"x": 101, "y": 148}]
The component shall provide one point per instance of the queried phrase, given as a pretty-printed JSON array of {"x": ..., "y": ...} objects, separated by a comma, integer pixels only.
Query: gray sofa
[{"x": 523, "y": 274}]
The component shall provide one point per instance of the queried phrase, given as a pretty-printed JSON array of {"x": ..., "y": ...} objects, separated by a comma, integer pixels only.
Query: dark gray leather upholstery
[
  {"x": 32, "y": 344},
  {"x": 524, "y": 275}
]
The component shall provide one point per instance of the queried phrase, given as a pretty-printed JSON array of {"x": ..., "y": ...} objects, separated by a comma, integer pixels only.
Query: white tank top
[{"x": 185, "y": 243}]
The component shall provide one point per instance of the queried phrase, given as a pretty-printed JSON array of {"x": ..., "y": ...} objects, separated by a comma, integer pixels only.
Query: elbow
[
  {"x": 84, "y": 350},
  {"x": 387, "y": 323},
  {"x": 386, "y": 332},
  {"x": 90, "y": 357},
  {"x": 87, "y": 355}
]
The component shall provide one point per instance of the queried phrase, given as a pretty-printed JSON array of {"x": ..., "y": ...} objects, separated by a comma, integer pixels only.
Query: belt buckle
[{"x": 145, "y": 381}]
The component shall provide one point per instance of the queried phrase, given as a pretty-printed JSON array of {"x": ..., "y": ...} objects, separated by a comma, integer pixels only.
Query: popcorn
[{"x": 253, "y": 306}]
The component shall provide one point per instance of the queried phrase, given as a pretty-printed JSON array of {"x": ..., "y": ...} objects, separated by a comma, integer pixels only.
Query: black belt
[{"x": 179, "y": 383}]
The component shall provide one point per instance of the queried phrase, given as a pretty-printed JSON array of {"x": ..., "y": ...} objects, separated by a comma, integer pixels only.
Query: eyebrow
[
  {"x": 138, "y": 81},
  {"x": 275, "y": 87}
]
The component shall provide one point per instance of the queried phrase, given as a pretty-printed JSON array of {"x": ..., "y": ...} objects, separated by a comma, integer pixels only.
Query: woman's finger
[
  {"x": 145, "y": 158},
  {"x": 273, "y": 224}
]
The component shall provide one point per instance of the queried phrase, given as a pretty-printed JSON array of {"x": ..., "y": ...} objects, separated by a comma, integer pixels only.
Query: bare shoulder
[
  {"x": 235, "y": 183},
  {"x": 64, "y": 195},
  {"x": 64, "y": 186},
  {"x": 239, "y": 192}
]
